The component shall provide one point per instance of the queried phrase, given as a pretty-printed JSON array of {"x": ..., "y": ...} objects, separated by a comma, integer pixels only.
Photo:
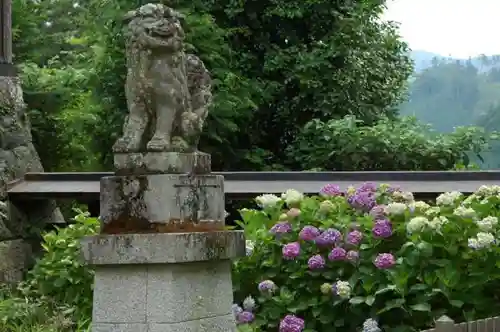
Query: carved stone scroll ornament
[{"x": 167, "y": 90}]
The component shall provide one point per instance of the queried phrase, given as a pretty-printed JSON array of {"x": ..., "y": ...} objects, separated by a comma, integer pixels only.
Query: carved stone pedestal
[
  {"x": 162, "y": 203},
  {"x": 163, "y": 259},
  {"x": 178, "y": 282}
]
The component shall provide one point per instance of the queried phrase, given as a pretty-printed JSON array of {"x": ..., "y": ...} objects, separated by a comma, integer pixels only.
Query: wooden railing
[{"x": 445, "y": 324}]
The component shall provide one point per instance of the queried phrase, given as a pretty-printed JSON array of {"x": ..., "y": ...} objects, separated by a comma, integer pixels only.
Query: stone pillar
[{"x": 163, "y": 260}]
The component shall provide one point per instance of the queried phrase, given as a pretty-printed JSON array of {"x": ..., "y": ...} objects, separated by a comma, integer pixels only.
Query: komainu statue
[{"x": 168, "y": 91}]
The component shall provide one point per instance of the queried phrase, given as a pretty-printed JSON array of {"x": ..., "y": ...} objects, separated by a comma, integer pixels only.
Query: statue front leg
[
  {"x": 134, "y": 127},
  {"x": 165, "y": 117}
]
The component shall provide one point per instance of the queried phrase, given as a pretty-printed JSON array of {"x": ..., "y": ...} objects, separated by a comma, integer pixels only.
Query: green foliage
[
  {"x": 61, "y": 112},
  {"x": 439, "y": 259},
  {"x": 57, "y": 294},
  {"x": 388, "y": 145},
  {"x": 316, "y": 60},
  {"x": 60, "y": 275}
]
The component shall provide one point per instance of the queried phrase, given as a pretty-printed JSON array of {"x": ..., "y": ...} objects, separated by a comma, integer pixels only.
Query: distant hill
[
  {"x": 446, "y": 93},
  {"x": 423, "y": 60}
]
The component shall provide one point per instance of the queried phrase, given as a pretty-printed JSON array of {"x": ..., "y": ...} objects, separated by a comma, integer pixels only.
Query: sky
[{"x": 457, "y": 28}]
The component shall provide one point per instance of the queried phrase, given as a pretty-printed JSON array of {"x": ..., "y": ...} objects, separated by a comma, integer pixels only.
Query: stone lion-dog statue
[{"x": 168, "y": 91}]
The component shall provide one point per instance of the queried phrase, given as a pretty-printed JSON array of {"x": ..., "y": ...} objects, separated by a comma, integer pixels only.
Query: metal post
[{"x": 6, "y": 66}]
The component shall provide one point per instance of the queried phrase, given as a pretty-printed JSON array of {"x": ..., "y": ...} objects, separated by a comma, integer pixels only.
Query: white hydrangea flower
[
  {"x": 485, "y": 239},
  {"x": 395, "y": 208},
  {"x": 482, "y": 240},
  {"x": 370, "y": 325},
  {"x": 420, "y": 205},
  {"x": 432, "y": 211},
  {"x": 292, "y": 196},
  {"x": 464, "y": 212},
  {"x": 249, "y": 303},
  {"x": 404, "y": 196},
  {"x": 416, "y": 224},
  {"x": 485, "y": 191},
  {"x": 487, "y": 224},
  {"x": 449, "y": 198},
  {"x": 473, "y": 243},
  {"x": 437, "y": 222},
  {"x": 408, "y": 196},
  {"x": 249, "y": 246},
  {"x": 267, "y": 200},
  {"x": 343, "y": 289}
]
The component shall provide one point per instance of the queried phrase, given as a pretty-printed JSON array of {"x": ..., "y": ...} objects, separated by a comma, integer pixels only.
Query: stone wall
[{"x": 19, "y": 222}]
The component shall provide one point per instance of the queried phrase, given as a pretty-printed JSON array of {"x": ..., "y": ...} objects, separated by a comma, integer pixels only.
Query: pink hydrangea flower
[
  {"x": 291, "y": 323},
  {"x": 309, "y": 233},
  {"x": 354, "y": 237},
  {"x": 316, "y": 262},
  {"x": 384, "y": 261},
  {"x": 291, "y": 250},
  {"x": 337, "y": 254}
]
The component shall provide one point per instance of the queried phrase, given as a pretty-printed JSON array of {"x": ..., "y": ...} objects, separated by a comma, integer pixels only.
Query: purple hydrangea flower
[
  {"x": 354, "y": 237},
  {"x": 352, "y": 256},
  {"x": 378, "y": 212},
  {"x": 309, "y": 233},
  {"x": 392, "y": 189},
  {"x": 384, "y": 261},
  {"x": 337, "y": 254},
  {"x": 363, "y": 201},
  {"x": 267, "y": 286},
  {"x": 244, "y": 317},
  {"x": 291, "y": 323},
  {"x": 281, "y": 228},
  {"x": 328, "y": 237},
  {"x": 367, "y": 187},
  {"x": 330, "y": 190},
  {"x": 382, "y": 229},
  {"x": 291, "y": 250},
  {"x": 316, "y": 262}
]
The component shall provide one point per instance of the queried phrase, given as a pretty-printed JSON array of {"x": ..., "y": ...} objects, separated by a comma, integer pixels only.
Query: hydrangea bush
[{"x": 369, "y": 259}]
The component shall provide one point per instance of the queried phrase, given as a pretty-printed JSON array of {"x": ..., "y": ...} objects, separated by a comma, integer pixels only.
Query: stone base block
[
  {"x": 163, "y": 282},
  {"x": 212, "y": 324},
  {"x": 162, "y": 162},
  {"x": 166, "y": 248},
  {"x": 162, "y": 203}
]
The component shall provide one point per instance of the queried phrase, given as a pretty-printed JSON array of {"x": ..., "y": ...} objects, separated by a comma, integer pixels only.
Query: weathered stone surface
[
  {"x": 162, "y": 162},
  {"x": 17, "y": 157},
  {"x": 163, "y": 248},
  {"x": 171, "y": 297},
  {"x": 16, "y": 256},
  {"x": 168, "y": 91},
  {"x": 162, "y": 203}
]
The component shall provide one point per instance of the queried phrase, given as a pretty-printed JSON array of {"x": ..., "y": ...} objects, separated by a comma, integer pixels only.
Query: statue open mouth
[{"x": 163, "y": 30}]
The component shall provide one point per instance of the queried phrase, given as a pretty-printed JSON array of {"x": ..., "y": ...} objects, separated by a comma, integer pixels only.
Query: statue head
[{"x": 157, "y": 21}]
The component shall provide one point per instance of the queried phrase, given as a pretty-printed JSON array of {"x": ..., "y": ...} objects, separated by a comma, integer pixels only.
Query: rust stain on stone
[
  {"x": 132, "y": 225},
  {"x": 188, "y": 226},
  {"x": 127, "y": 225}
]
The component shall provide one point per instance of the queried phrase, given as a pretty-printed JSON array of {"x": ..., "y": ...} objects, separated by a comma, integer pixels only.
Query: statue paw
[
  {"x": 158, "y": 144},
  {"x": 127, "y": 144},
  {"x": 179, "y": 144}
]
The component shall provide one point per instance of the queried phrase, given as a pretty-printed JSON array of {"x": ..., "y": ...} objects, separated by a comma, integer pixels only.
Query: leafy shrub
[
  {"x": 370, "y": 258},
  {"x": 403, "y": 144},
  {"x": 60, "y": 277}
]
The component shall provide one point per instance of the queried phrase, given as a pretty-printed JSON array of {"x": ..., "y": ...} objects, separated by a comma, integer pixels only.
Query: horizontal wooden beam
[{"x": 86, "y": 186}]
